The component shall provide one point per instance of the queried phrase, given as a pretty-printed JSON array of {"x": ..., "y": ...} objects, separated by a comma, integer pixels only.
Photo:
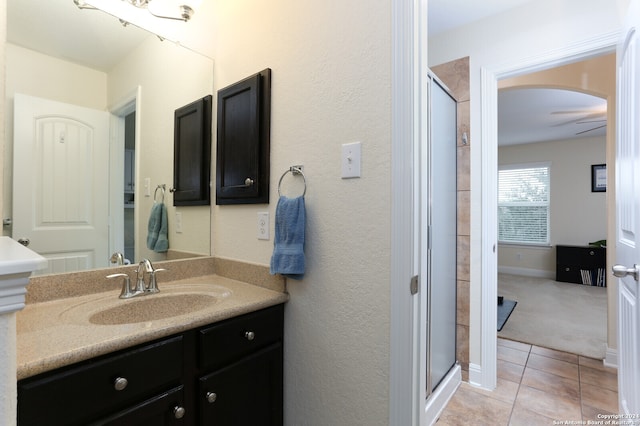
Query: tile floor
[{"x": 536, "y": 386}]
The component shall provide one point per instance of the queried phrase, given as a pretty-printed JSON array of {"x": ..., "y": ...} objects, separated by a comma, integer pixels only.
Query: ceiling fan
[{"x": 597, "y": 119}]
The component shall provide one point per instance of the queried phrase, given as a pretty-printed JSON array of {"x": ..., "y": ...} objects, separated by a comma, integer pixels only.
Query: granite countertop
[{"x": 56, "y": 333}]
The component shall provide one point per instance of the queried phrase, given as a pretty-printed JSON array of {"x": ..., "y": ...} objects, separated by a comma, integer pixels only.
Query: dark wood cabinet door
[
  {"x": 248, "y": 392},
  {"x": 243, "y": 142},
  {"x": 192, "y": 154}
]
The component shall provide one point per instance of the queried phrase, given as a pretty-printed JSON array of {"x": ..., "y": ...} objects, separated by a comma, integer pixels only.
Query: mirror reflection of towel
[
  {"x": 158, "y": 235},
  {"x": 288, "y": 245}
]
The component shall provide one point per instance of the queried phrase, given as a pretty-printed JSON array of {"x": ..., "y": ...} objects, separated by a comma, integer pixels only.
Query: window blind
[{"x": 523, "y": 205}]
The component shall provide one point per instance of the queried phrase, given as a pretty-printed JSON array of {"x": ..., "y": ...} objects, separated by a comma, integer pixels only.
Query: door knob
[
  {"x": 24, "y": 241},
  {"x": 622, "y": 271}
]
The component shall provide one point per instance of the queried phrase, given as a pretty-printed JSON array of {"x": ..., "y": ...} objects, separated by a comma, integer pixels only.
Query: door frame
[
  {"x": 485, "y": 374},
  {"x": 126, "y": 105}
]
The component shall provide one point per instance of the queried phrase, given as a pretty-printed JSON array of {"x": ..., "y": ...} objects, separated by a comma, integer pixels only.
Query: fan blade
[
  {"x": 591, "y": 121},
  {"x": 590, "y": 130}
]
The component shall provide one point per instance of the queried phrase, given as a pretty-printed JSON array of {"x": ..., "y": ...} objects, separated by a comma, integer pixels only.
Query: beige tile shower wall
[{"x": 455, "y": 75}]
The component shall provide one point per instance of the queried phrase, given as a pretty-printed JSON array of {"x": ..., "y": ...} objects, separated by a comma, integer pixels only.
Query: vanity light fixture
[{"x": 157, "y": 8}]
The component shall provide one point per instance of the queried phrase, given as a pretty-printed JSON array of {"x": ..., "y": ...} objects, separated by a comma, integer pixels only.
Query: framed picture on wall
[{"x": 599, "y": 178}]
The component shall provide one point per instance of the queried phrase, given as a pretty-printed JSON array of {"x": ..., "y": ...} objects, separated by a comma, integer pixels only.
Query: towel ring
[
  {"x": 294, "y": 170},
  {"x": 161, "y": 188}
]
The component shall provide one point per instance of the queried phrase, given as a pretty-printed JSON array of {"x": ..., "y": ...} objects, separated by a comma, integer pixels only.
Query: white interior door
[
  {"x": 61, "y": 182},
  {"x": 628, "y": 213}
]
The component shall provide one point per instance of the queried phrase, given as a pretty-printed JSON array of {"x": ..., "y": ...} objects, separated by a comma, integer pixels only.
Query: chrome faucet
[
  {"x": 117, "y": 258},
  {"x": 144, "y": 266},
  {"x": 140, "y": 288},
  {"x": 126, "y": 292}
]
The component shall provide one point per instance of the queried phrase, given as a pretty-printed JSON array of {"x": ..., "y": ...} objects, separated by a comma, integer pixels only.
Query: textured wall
[
  {"x": 331, "y": 85},
  {"x": 8, "y": 392}
]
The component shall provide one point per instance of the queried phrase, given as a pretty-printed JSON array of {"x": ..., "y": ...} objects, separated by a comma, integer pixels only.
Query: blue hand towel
[
  {"x": 158, "y": 235},
  {"x": 288, "y": 245}
]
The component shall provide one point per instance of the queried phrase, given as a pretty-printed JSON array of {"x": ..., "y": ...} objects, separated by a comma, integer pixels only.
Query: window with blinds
[{"x": 523, "y": 204}]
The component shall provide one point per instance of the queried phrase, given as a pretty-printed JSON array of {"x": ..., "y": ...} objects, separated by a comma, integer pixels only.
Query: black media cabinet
[{"x": 582, "y": 265}]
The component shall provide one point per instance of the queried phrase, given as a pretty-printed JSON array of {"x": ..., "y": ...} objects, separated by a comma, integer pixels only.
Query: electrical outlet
[{"x": 263, "y": 225}]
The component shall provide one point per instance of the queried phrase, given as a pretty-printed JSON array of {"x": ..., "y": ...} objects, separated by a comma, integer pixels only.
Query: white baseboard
[
  {"x": 439, "y": 399},
  {"x": 611, "y": 358},
  {"x": 526, "y": 272},
  {"x": 475, "y": 375}
]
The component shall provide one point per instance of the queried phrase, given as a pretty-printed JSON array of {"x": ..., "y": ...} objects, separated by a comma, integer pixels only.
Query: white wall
[
  {"x": 577, "y": 215},
  {"x": 331, "y": 71},
  {"x": 532, "y": 29}
]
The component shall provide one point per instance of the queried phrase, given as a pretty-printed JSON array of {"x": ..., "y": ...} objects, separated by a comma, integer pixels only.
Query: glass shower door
[{"x": 441, "y": 297}]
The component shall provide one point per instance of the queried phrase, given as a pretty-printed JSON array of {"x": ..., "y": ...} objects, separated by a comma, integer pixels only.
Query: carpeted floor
[{"x": 563, "y": 316}]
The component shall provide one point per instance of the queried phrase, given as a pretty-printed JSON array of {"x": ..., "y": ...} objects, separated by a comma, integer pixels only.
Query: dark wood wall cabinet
[
  {"x": 243, "y": 141},
  {"x": 582, "y": 265},
  {"x": 192, "y": 154},
  {"x": 228, "y": 373}
]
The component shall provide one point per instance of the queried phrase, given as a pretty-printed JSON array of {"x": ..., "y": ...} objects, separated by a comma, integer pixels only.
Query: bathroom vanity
[{"x": 219, "y": 365}]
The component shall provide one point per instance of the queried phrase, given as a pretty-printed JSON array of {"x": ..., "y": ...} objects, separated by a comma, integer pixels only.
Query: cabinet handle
[
  {"x": 120, "y": 383},
  {"x": 247, "y": 183},
  {"x": 249, "y": 335},
  {"x": 178, "y": 412},
  {"x": 211, "y": 397}
]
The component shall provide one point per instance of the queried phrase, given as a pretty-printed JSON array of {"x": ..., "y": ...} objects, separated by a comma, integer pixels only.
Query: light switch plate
[
  {"x": 351, "y": 159},
  {"x": 178, "y": 222},
  {"x": 147, "y": 187},
  {"x": 263, "y": 225}
]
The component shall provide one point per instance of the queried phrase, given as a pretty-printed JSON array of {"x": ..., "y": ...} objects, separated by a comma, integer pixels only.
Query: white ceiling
[
  {"x": 58, "y": 28},
  {"x": 536, "y": 115},
  {"x": 448, "y": 14}
]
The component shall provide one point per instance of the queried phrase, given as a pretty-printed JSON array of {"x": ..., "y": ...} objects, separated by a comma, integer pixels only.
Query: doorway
[
  {"x": 555, "y": 119},
  {"x": 490, "y": 77}
]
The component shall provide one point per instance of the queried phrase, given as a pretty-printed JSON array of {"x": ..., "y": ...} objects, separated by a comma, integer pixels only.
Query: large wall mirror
[{"x": 87, "y": 59}]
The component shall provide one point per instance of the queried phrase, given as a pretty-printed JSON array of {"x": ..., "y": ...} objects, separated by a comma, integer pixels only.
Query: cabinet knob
[
  {"x": 178, "y": 412},
  {"x": 211, "y": 397},
  {"x": 120, "y": 383},
  {"x": 249, "y": 335}
]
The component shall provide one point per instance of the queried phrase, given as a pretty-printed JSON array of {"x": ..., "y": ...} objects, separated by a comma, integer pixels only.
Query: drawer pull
[
  {"x": 178, "y": 412},
  {"x": 120, "y": 383},
  {"x": 249, "y": 335},
  {"x": 211, "y": 397}
]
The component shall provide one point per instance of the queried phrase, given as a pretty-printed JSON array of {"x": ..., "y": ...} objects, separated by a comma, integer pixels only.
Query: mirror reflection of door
[{"x": 61, "y": 173}]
